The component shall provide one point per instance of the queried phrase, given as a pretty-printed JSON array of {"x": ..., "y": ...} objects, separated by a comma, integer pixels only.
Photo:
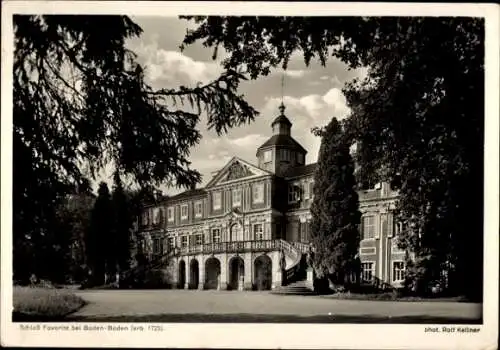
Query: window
[
  {"x": 216, "y": 235},
  {"x": 306, "y": 190},
  {"x": 304, "y": 229},
  {"x": 368, "y": 227},
  {"x": 184, "y": 212},
  {"x": 184, "y": 241},
  {"x": 399, "y": 227},
  {"x": 258, "y": 193},
  {"x": 162, "y": 216},
  {"x": 145, "y": 218},
  {"x": 285, "y": 155},
  {"x": 199, "y": 239},
  {"x": 217, "y": 204},
  {"x": 258, "y": 232},
  {"x": 170, "y": 214},
  {"x": 156, "y": 216},
  {"x": 293, "y": 193},
  {"x": 311, "y": 189},
  {"x": 398, "y": 271},
  {"x": 267, "y": 156},
  {"x": 236, "y": 197},
  {"x": 157, "y": 246},
  {"x": 171, "y": 242},
  {"x": 300, "y": 158},
  {"x": 367, "y": 271},
  {"x": 198, "y": 209}
]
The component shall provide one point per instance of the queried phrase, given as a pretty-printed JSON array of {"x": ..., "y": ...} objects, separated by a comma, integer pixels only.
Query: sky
[{"x": 312, "y": 95}]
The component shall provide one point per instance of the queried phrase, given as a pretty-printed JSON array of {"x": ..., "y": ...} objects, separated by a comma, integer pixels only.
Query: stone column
[
  {"x": 278, "y": 279},
  {"x": 241, "y": 282},
  {"x": 310, "y": 278},
  {"x": 188, "y": 273},
  {"x": 248, "y": 271},
  {"x": 175, "y": 274},
  {"x": 223, "y": 273},
  {"x": 201, "y": 272},
  {"x": 279, "y": 270}
]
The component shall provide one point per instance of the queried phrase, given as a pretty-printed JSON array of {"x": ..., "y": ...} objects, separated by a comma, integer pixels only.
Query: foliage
[
  {"x": 43, "y": 302},
  {"x": 123, "y": 220},
  {"x": 100, "y": 236},
  {"x": 417, "y": 118},
  {"x": 334, "y": 210},
  {"x": 81, "y": 102}
]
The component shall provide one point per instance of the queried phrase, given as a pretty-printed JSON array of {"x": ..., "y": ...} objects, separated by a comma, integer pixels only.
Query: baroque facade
[{"x": 248, "y": 228}]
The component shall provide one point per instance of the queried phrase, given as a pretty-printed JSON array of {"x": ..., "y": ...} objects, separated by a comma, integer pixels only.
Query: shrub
[{"x": 44, "y": 303}]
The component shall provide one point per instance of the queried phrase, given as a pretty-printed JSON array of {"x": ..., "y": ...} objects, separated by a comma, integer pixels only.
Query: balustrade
[{"x": 230, "y": 247}]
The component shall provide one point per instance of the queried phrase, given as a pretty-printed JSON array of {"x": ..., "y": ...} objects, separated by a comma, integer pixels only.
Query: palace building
[{"x": 249, "y": 227}]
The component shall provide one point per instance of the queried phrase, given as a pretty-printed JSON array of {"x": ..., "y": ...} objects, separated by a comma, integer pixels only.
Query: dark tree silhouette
[
  {"x": 334, "y": 210},
  {"x": 418, "y": 118},
  {"x": 80, "y": 103},
  {"x": 100, "y": 242},
  {"x": 123, "y": 224}
]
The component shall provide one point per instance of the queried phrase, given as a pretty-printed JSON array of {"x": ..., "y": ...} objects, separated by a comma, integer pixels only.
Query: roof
[
  {"x": 301, "y": 171},
  {"x": 281, "y": 119},
  {"x": 282, "y": 140},
  {"x": 190, "y": 193}
]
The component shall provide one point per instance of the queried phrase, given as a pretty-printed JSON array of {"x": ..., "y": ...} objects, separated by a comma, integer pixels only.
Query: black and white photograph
[{"x": 167, "y": 169}]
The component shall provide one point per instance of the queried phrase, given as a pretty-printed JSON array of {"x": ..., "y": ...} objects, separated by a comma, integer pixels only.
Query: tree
[
  {"x": 100, "y": 248},
  {"x": 123, "y": 223},
  {"x": 417, "y": 117},
  {"x": 334, "y": 210},
  {"x": 74, "y": 223},
  {"x": 81, "y": 102}
]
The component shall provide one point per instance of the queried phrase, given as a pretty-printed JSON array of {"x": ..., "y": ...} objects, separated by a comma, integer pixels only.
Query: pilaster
[
  {"x": 248, "y": 271},
  {"x": 187, "y": 281},
  {"x": 201, "y": 272}
]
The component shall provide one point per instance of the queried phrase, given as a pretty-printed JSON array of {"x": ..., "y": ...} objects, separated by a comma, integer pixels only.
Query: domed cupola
[
  {"x": 281, "y": 125},
  {"x": 281, "y": 151}
]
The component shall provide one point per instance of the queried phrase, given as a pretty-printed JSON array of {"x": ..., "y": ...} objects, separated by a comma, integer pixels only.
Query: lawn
[{"x": 43, "y": 304}]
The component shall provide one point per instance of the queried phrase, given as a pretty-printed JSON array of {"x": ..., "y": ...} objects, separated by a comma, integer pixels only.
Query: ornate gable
[
  {"x": 234, "y": 170},
  {"x": 237, "y": 171}
]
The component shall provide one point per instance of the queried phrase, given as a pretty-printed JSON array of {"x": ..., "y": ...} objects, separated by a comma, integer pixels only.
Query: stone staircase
[
  {"x": 295, "y": 278},
  {"x": 295, "y": 288}
]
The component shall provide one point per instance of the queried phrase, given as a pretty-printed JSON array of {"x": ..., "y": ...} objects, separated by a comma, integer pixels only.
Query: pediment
[{"x": 236, "y": 169}]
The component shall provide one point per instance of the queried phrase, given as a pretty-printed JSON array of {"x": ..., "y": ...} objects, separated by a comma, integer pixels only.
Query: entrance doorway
[
  {"x": 236, "y": 272},
  {"x": 194, "y": 272},
  {"x": 263, "y": 272},
  {"x": 212, "y": 273}
]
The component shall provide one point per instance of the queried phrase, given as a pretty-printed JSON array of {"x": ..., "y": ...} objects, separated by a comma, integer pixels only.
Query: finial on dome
[{"x": 282, "y": 108}]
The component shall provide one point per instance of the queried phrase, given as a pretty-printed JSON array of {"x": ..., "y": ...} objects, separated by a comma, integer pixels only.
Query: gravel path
[{"x": 109, "y": 303}]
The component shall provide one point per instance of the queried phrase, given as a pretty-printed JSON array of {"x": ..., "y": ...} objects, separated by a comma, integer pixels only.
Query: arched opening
[
  {"x": 236, "y": 272},
  {"x": 181, "y": 277},
  {"x": 263, "y": 272},
  {"x": 194, "y": 273},
  {"x": 236, "y": 232},
  {"x": 212, "y": 273}
]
